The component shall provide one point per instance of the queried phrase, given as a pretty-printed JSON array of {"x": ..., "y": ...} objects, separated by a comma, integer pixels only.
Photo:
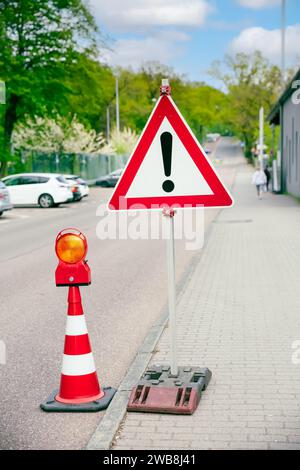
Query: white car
[
  {"x": 213, "y": 137},
  {"x": 5, "y": 204},
  {"x": 44, "y": 189},
  {"x": 83, "y": 187}
]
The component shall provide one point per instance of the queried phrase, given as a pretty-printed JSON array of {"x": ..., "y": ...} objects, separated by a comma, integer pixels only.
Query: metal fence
[{"x": 87, "y": 166}]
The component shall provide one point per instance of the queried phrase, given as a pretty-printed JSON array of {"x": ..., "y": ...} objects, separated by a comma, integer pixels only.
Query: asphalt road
[{"x": 128, "y": 292}]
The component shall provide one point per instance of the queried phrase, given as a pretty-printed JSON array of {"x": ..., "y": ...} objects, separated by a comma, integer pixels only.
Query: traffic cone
[{"x": 79, "y": 386}]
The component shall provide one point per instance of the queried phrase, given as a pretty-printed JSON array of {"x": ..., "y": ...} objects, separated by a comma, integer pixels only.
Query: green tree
[
  {"x": 203, "y": 106},
  {"x": 40, "y": 41},
  {"x": 251, "y": 82},
  {"x": 139, "y": 91},
  {"x": 93, "y": 89}
]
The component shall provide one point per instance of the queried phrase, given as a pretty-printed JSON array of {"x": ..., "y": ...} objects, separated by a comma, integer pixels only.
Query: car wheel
[
  {"x": 1, "y": 213},
  {"x": 46, "y": 201}
]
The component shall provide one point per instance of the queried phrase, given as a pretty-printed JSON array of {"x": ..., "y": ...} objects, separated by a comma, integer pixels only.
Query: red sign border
[{"x": 167, "y": 108}]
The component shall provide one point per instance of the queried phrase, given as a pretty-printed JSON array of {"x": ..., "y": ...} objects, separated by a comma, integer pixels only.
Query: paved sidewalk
[{"x": 239, "y": 315}]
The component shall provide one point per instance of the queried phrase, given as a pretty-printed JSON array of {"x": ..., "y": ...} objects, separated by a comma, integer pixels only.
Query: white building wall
[{"x": 291, "y": 147}]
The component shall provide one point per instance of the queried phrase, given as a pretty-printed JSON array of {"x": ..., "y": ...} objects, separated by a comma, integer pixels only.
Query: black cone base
[{"x": 53, "y": 405}]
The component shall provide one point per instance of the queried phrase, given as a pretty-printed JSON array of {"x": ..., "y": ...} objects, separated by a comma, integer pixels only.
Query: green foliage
[
  {"x": 38, "y": 45},
  {"x": 49, "y": 61},
  {"x": 92, "y": 88},
  {"x": 202, "y": 106},
  {"x": 251, "y": 82}
]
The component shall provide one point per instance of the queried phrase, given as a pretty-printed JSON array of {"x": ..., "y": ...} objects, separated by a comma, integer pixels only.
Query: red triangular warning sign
[{"x": 168, "y": 167}]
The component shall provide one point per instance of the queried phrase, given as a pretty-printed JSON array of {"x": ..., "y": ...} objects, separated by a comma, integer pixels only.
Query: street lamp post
[
  {"x": 107, "y": 124},
  {"x": 261, "y": 138},
  {"x": 117, "y": 105},
  {"x": 283, "y": 32},
  {"x": 3, "y": 101}
]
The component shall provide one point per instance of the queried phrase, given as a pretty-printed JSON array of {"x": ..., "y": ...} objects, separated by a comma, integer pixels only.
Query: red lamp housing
[{"x": 71, "y": 248}]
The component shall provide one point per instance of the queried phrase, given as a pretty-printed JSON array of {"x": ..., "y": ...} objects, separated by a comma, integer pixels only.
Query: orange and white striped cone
[{"x": 79, "y": 386}]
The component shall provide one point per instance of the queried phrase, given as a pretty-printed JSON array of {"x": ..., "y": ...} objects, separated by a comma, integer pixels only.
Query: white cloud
[
  {"x": 258, "y": 4},
  {"x": 268, "y": 42},
  {"x": 129, "y": 15},
  {"x": 161, "y": 47}
]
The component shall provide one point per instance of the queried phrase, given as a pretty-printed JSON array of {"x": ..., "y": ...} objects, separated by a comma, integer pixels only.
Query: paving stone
[{"x": 238, "y": 315}]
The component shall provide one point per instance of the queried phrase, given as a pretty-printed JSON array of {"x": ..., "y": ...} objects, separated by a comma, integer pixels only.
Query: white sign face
[
  {"x": 168, "y": 167},
  {"x": 186, "y": 176}
]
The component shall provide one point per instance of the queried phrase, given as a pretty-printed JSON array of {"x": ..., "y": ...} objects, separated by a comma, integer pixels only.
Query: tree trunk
[{"x": 10, "y": 118}]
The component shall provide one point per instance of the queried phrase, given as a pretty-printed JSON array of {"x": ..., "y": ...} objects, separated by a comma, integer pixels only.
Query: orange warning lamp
[{"x": 71, "y": 248}]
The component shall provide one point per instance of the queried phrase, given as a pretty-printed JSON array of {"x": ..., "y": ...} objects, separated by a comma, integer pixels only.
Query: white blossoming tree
[
  {"x": 39, "y": 134},
  {"x": 57, "y": 136},
  {"x": 123, "y": 142}
]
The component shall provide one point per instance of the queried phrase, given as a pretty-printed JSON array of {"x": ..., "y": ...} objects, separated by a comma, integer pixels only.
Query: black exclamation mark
[{"x": 166, "y": 141}]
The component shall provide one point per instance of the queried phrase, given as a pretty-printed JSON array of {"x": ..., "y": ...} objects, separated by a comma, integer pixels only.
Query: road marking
[
  {"x": 13, "y": 217},
  {"x": 37, "y": 212}
]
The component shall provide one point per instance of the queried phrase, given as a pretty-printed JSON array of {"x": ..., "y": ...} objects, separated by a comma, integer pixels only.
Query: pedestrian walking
[
  {"x": 259, "y": 179},
  {"x": 268, "y": 176}
]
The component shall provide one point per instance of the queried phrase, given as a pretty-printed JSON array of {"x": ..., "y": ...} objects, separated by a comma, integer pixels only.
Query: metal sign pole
[
  {"x": 169, "y": 388},
  {"x": 172, "y": 292}
]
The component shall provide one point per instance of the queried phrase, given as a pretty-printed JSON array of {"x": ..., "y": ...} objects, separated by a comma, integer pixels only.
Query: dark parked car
[
  {"x": 75, "y": 190},
  {"x": 110, "y": 180},
  {"x": 83, "y": 187}
]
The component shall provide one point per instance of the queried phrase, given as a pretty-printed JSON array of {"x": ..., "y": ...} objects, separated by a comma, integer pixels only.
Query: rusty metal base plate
[{"x": 160, "y": 392}]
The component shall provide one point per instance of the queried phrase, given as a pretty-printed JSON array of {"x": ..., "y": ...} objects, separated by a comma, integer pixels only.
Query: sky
[{"x": 189, "y": 35}]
